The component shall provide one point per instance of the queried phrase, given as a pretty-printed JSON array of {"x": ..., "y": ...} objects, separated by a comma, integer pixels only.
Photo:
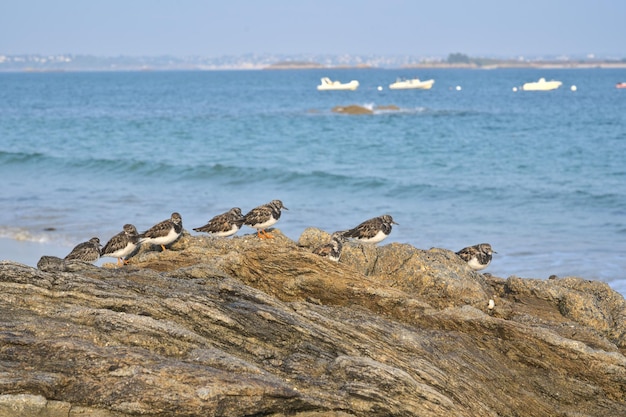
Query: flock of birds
[{"x": 374, "y": 230}]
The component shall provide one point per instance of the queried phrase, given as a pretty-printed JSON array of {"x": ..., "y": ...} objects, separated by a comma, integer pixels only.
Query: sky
[{"x": 214, "y": 28}]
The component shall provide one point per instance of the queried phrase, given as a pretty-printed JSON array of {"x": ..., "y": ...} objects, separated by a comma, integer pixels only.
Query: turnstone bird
[
  {"x": 225, "y": 224},
  {"x": 263, "y": 217},
  {"x": 372, "y": 230},
  {"x": 478, "y": 257},
  {"x": 87, "y": 251},
  {"x": 332, "y": 249},
  {"x": 163, "y": 233},
  {"x": 122, "y": 244}
]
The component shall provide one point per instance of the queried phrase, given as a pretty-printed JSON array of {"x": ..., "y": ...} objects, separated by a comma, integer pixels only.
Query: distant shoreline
[
  {"x": 539, "y": 65},
  {"x": 313, "y": 66},
  {"x": 448, "y": 65},
  {"x": 87, "y": 63}
]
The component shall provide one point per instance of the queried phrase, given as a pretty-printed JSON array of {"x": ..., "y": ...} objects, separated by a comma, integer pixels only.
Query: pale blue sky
[{"x": 387, "y": 27}]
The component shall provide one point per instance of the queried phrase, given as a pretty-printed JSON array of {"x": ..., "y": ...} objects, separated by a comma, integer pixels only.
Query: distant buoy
[
  {"x": 514, "y": 89},
  {"x": 458, "y": 88},
  {"x": 380, "y": 88},
  {"x": 573, "y": 88}
]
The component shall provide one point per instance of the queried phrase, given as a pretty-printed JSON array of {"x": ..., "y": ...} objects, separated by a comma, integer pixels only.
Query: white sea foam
[{"x": 22, "y": 234}]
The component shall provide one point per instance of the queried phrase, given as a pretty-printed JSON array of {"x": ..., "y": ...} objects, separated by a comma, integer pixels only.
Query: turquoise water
[{"x": 539, "y": 175}]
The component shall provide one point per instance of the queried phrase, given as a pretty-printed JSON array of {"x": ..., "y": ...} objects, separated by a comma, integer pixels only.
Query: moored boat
[
  {"x": 542, "y": 85},
  {"x": 414, "y": 83},
  {"x": 328, "y": 84}
]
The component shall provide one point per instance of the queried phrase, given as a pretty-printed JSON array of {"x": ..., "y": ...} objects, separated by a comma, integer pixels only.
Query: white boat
[
  {"x": 542, "y": 85},
  {"x": 328, "y": 84},
  {"x": 412, "y": 83}
]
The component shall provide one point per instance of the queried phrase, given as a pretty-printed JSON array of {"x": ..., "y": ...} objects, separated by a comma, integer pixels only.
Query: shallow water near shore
[{"x": 539, "y": 175}]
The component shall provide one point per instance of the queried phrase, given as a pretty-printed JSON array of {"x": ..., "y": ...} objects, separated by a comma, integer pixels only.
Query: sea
[{"x": 541, "y": 176}]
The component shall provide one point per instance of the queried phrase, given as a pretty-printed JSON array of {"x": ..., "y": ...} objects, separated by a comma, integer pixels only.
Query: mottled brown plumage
[
  {"x": 122, "y": 244},
  {"x": 332, "y": 249},
  {"x": 372, "y": 230},
  {"x": 478, "y": 257},
  {"x": 163, "y": 233},
  {"x": 87, "y": 251},
  {"x": 264, "y": 216},
  {"x": 225, "y": 224}
]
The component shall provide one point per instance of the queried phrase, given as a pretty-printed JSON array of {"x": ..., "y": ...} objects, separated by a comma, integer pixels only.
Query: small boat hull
[
  {"x": 542, "y": 85},
  {"x": 327, "y": 85},
  {"x": 414, "y": 84}
]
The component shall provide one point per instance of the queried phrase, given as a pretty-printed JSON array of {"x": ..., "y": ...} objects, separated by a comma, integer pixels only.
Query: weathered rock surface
[
  {"x": 352, "y": 109},
  {"x": 238, "y": 327}
]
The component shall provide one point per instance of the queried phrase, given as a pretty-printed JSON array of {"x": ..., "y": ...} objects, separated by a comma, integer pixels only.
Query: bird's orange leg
[{"x": 267, "y": 235}]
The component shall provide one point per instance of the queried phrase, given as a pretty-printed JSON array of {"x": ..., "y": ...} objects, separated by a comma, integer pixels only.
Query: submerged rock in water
[
  {"x": 352, "y": 109},
  {"x": 244, "y": 326},
  {"x": 356, "y": 109}
]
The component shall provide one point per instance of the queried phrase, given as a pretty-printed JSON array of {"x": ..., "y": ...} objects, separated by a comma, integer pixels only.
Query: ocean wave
[
  {"x": 229, "y": 174},
  {"x": 386, "y": 110},
  {"x": 426, "y": 111},
  {"x": 316, "y": 179},
  {"x": 452, "y": 112},
  {"x": 76, "y": 165},
  {"x": 11, "y": 158},
  {"x": 323, "y": 179},
  {"x": 591, "y": 198},
  {"x": 25, "y": 235}
]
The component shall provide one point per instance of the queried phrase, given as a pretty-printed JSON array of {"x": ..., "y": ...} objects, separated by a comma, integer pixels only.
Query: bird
[
  {"x": 163, "y": 233},
  {"x": 373, "y": 230},
  {"x": 478, "y": 257},
  {"x": 264, "y": 216},
  {"x": 122, "y": 244},
  {"x": 225, "y": 224},
  {"x": 86, "y": 251},
  {"x": 332, "y": 249}
]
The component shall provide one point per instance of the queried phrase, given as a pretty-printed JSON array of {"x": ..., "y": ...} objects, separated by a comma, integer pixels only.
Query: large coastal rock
[{"x": 245, "y": 327}]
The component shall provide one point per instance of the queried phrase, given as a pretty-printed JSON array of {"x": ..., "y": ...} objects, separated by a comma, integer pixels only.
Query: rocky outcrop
[
  {"x": 242, "y": 326},
  {"x": 352, "y": 109}
]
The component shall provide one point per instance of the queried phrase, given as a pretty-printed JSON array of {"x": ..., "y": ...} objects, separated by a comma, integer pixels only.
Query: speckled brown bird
[
  {"x": 478, "y": 257},
  {"x": 264, "y": 216},
  {"x": 87, "y": 251},
  {"x": 163, "y": 233},
  {"x": 332, "y": 249},
  {"x": 372, "y": 230},
  {"x": 225, "y": 224},
  {"x": 122, "y": 244}
]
